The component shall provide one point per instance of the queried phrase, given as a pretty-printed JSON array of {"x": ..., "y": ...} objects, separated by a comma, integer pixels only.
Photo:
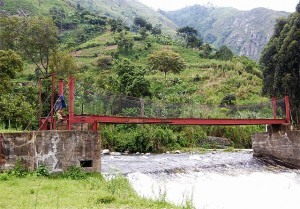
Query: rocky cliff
[{"x": 244, "y": 32}]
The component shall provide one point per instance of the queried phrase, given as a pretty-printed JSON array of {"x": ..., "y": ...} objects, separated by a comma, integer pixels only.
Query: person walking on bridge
[{"x": 59, "y": 107}]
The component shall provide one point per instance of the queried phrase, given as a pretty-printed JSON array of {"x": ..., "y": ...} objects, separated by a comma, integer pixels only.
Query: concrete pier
[
  {"x": 58, "y": 150},
  {"x": 279, "y": 142}
]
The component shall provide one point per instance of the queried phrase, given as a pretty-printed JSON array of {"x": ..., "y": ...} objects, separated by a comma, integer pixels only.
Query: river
[{"x": 213, "y": 180}]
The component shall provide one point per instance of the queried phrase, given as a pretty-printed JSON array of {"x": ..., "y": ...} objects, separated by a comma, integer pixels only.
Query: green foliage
[
  {"x": 151, "y": 138},
  {"x": 240, "y": 136},
  {"x": 132, "y": 82},
  {"x": 105, "y": 199},
  {"x": 10, "y": 64},
  {"x": 189, "y": 34},
  {"x": 4, "y": 176},
  {"x": 229, "y": 99},
  {"x": 124, "y": 42},
  {"x": 35, "y": 37},
  {"x": 19, "y": 169},
  {"x": 142, "y": 23},
  {"x": 104, "y": 62},
  {"x": 74, "y": 173},
  {"x": 16, "y": 111},
  {"x": 224, "y": 53},
  {"x": 42, "y": 170},
  {"x": 166, "y": 61},
  {"x": 280, "y": 62},
  {"x": 57, "y": 192}
]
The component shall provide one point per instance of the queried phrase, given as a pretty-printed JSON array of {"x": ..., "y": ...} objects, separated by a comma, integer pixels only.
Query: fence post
[
  {"x": 142, "y": 107},
  {"x": 71, "y": 102},
  {"x": 274, "y": 107},
  {"x": 287, "y": 109}
]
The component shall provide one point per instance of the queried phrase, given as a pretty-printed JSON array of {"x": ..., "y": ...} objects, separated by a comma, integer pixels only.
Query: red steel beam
[
  {"x": 274, "y": 107},
  {"x": 60, "y": 87},
  {"x": 174, "y": 121}
]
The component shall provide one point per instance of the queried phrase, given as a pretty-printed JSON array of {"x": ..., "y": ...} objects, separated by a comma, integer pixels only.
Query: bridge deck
[{"x": 172, "y": 121}]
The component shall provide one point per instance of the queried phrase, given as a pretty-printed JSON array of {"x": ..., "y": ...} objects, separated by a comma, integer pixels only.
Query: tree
[
  {"x": 189, "y": 34},
  {"x": 34, "y": 37},
  {"x": 298, "y": 8},
  {"x": 63, "y": 63},
  {"x": 142, "y": 23},
  {"x": 58, "y": 15},
  {"x": 125, "y": 43},
  {"x": 224, "y": 53},
  {"x": 280, "y": 61},
  {"x": 206, "y": 50},
  {"x": 166, "y": 61},
  {"x": 10, "y": 64},
  {"x": 132, "y": 82}
]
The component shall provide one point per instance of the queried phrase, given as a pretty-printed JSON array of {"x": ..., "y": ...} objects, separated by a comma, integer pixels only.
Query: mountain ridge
[{"x": 245, "y": 32}]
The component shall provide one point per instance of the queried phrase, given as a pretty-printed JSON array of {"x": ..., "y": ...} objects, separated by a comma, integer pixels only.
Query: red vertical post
[
  {"x": 287, "y": 109},
  {"x": 274, "y": 107},
  {"x": 71, "y": 102},
  {"x": 52, "y": 101},
  {"x": 61, "y": 87},
  {"x": 95, "y": 126}
]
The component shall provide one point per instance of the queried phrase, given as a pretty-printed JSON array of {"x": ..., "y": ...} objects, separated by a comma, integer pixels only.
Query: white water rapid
[{"x": 210, "y": 181}]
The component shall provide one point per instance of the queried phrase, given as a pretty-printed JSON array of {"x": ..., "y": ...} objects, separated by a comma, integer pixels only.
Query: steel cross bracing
[{"x": 96, "y": 119}]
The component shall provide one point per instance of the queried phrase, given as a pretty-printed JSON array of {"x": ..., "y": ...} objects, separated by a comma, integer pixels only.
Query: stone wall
[
  {"x": 278, "y": 143},
  {"x": 56, "y": 149}
]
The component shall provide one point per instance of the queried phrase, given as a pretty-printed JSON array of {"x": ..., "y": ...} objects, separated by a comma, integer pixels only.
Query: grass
[{"x": 91, "y": 192}]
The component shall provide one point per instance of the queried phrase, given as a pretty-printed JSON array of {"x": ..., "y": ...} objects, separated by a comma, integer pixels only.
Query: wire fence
[{"x": 90, "y": 102}]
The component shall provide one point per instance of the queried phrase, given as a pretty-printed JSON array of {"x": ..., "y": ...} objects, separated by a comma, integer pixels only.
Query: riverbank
[{"x": 88, "y": 191}]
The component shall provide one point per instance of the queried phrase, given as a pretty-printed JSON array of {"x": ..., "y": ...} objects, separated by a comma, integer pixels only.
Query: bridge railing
[{"x": 102, "y": 103}]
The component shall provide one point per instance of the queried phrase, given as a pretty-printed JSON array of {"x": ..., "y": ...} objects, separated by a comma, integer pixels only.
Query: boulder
[
  {"x": 115, "y": 153},
  {"x": 105, "y": 152}
]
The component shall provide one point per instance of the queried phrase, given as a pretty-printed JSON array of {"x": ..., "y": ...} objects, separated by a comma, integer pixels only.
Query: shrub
[
  {"x": 4, "y": 176},
  {"x": 74, "y": 173},
  {"x": 104, "y": 62},
  {"x": 19, "y": 169},
  {"x": 105, "y": 199},
  {"x": 42, "y": 170}
]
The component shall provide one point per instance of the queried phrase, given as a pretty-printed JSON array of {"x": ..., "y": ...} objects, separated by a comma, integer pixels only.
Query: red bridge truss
[{"x": 48, "y": 122}]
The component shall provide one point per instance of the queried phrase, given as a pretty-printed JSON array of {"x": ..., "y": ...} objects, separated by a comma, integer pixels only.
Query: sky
[{"x": 169, "y": 5}]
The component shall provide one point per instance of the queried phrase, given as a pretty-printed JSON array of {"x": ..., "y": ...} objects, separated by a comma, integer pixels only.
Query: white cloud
[{"x": 280, "y": 5}]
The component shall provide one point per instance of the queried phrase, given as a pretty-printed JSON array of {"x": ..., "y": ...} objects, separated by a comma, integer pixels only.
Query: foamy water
[
  {"x": 222, "y": 190},
  {"x": 218, "y": 181}
]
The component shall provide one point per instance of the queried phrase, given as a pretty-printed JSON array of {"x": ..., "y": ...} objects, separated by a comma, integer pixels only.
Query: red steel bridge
[{"x": 125, "y": 110}]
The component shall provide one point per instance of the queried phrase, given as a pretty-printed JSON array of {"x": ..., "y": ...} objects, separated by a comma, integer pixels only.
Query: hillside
[
  {"x": 100, "y": 50},
  {"x": 125, "y": 10},
  {"x": 245, "y": 32}
]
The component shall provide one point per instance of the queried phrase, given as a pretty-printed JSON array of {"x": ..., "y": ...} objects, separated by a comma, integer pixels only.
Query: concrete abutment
[
  {"x": 57, "y": 150},
  {"x": 279, "y": 142}
]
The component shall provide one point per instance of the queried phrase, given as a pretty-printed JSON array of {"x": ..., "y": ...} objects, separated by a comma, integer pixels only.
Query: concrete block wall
[
  {"x": 278, "y": 143},
  {"x": 56, "y": 149}
]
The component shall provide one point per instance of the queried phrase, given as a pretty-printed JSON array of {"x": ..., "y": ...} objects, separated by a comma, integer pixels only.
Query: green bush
[
  {"x": 105, "y": 199},
  {"x": 4, "y": 176},
  {"x": 42, "y": 170},
  {"x": 74, "y": 173},
  {"x": 19, "y": 169}
]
